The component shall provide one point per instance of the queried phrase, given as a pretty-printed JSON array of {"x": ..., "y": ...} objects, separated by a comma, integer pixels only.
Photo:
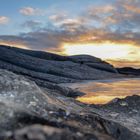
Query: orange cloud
[
  {"x": 124, "y": 63},
  {"x": 14, "y": 44}
]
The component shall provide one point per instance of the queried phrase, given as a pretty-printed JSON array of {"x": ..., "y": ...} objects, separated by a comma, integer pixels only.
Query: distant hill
[
  {"x": 81, "y": 59},
  {"x": 129, "y": 71}
]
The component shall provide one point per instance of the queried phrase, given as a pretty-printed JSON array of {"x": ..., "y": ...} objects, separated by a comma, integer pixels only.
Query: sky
[{"x": 109, "y": 29}]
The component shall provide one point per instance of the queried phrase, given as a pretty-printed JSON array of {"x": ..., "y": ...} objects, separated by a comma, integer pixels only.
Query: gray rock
[
  {"x": 103, "y": 66},
  {"x": 82, "y": 59},
  {"x": 93, "y": 62},
  {"x": 17, "y": 89},
  {"x": 61, "y": 71},
  {"x": 85, "y": 59},
  {"x": 125, "y": 112},
  {"x": 23, "y": 105}
]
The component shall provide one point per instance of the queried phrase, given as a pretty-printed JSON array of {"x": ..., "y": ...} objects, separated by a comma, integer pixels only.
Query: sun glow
[{"x": 104, "y": 51}]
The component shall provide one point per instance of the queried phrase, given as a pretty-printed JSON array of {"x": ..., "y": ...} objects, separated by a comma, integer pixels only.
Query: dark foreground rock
[{"x": 28, "y": 112}]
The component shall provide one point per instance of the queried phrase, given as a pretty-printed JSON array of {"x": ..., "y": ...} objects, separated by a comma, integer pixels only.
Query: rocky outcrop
[
  {"x": 28, "y": 112},
  {"x": 124, "y": 111},
  {"x": 93, "y": 62},
  {"x": 68, "y": 69},
  {"x": 48, "y": 69},
  {"x": 129, "y": 71}
]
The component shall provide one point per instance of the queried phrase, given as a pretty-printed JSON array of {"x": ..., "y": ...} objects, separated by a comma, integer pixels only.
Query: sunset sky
[{"x": 109, "y": 29}]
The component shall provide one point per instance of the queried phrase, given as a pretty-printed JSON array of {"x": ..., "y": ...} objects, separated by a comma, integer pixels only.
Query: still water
[{"x": 103, "y": 91}]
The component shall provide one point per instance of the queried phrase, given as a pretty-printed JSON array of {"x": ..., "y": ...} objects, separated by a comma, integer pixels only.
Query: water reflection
[{"x": 103, "y": 91}]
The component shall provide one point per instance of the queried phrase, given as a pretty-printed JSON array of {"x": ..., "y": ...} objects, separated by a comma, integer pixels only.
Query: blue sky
[{"x": 11, "y": 10}]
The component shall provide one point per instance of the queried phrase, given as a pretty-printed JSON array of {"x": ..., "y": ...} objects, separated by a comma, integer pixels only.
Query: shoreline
[{"x": 94, "y": 95}]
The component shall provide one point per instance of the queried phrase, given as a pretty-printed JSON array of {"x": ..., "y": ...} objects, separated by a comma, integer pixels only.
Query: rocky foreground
[{"x": 34, "y": 107}]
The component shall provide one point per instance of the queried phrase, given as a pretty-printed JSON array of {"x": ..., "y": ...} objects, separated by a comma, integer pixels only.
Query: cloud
[
  {"x": 121, "y": 15},
  {"x": 30, "y": 11},
  {"x": 32, "y": 24},
  {"x": 124, "y": 63},
  {"x": 4, "y": 20},
  {"x": 35, "y": 40},
  {"x": 57, "y": 17},
  {"x": 52, "y": 38},
  {"x": 118, "y": 22}
]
